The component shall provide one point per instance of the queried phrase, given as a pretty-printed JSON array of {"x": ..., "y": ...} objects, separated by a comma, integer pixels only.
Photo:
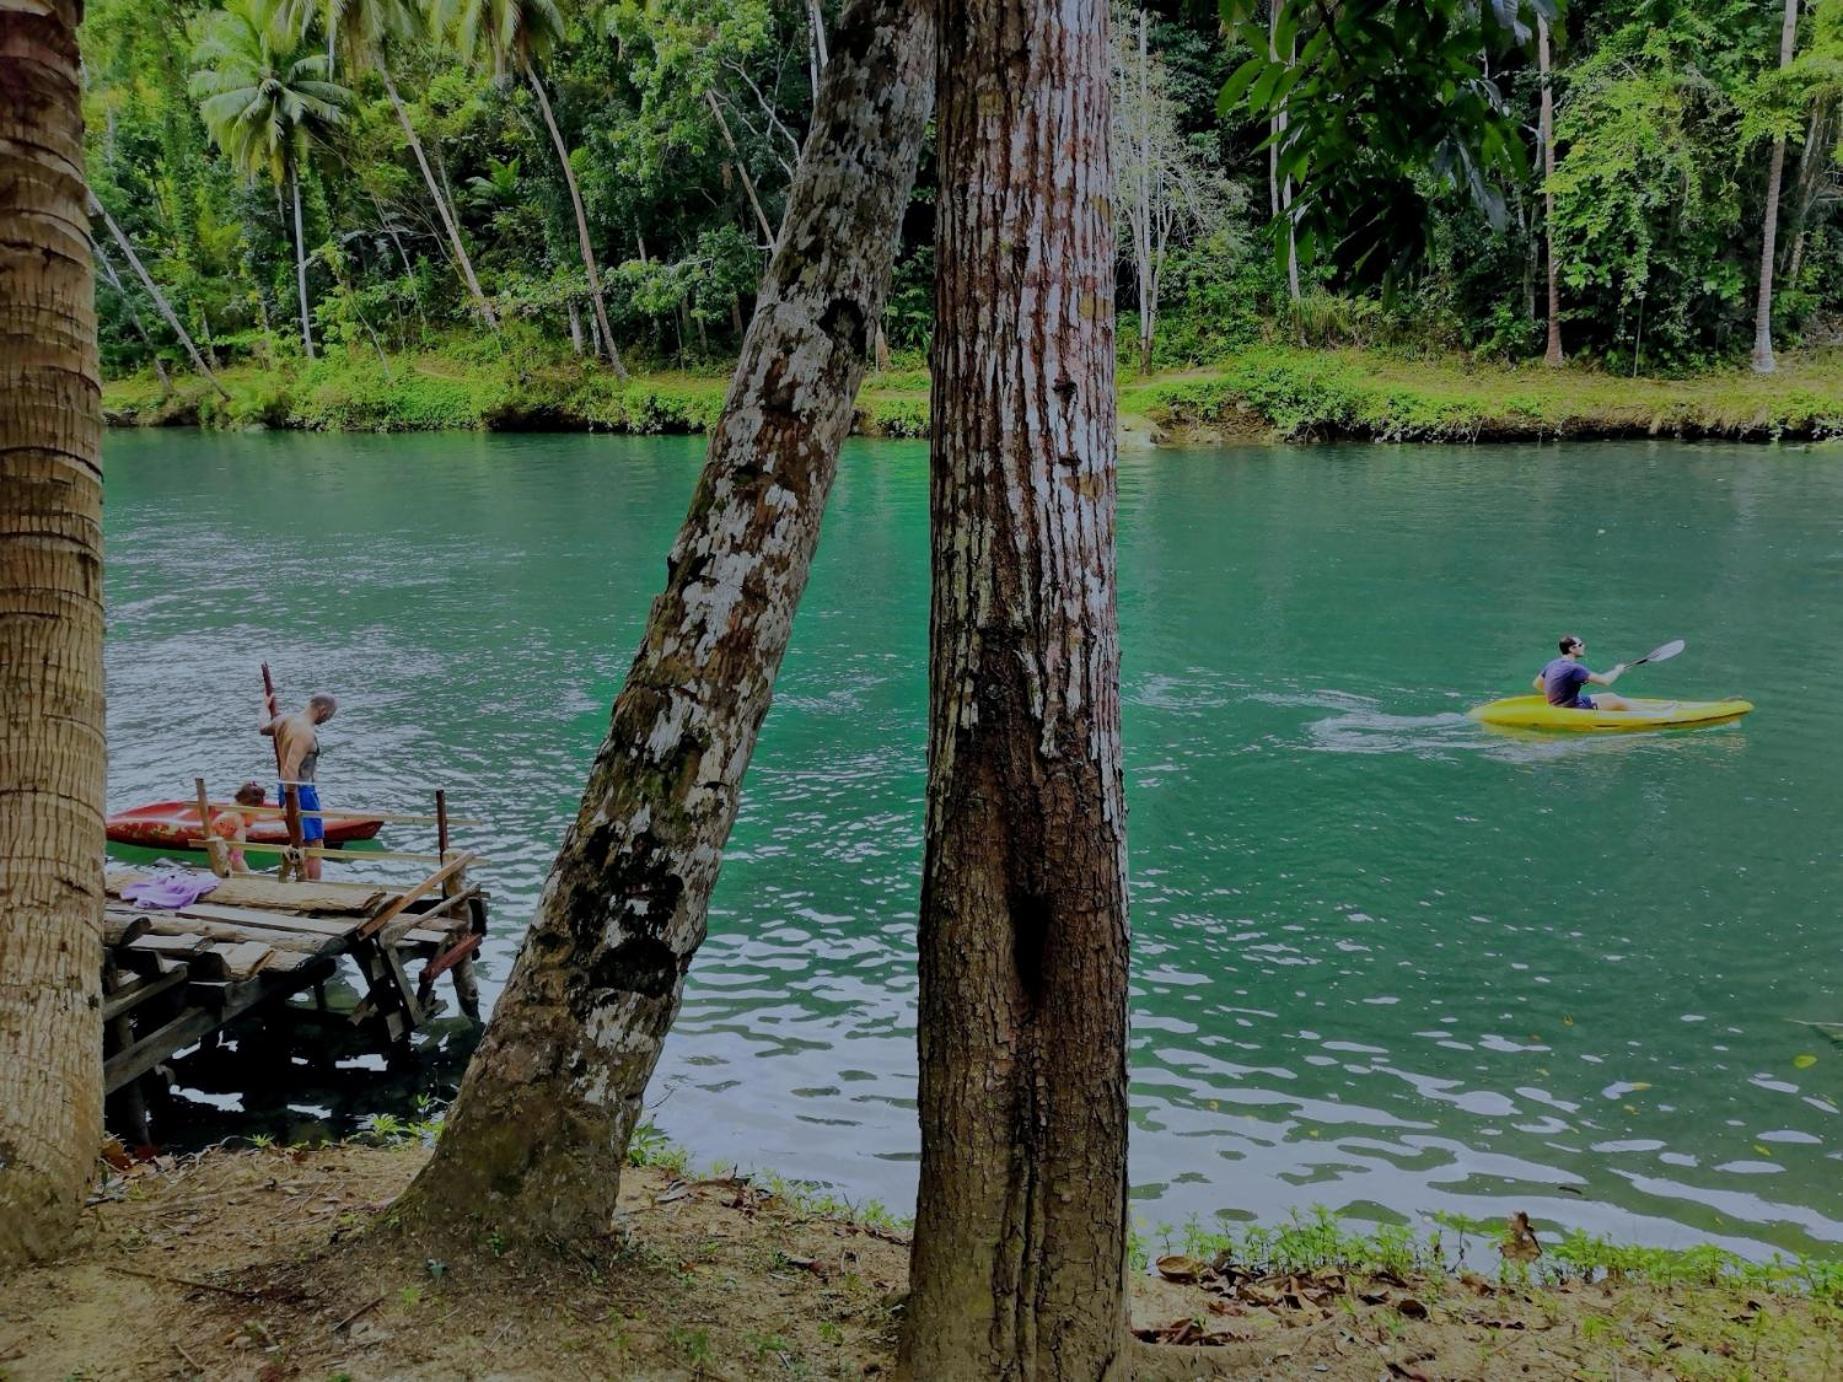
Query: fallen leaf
[
  {"x": 1175, "y": 1266},
  {"x": 1804, "y": 1061}
]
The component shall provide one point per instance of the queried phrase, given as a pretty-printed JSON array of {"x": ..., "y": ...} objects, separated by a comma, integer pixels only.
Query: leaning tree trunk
[
  {"x": 1019, "y": 1263},
  {"x": 1763, "y": 362},
  {"x": 538, "y": 1136},
  {"x": 442, "y": 209},
  {"x": 51, "y": 707},
  {"x": 300, "y": 263},
  {"x": 1545, "y": 130},
  {"x": 1815, "y": 161},
  {"x": 582, "y": 221},
  {"x": 164, "y": 307}
]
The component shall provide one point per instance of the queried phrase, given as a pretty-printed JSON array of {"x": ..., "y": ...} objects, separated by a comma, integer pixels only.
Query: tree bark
[
  {"x": 51, "y": 690},
  {"x": 300, "y": 262},
  {"x": 538, "y": 1136},
  {"x": 582, "y": 221},
  {"x": 165, "y": 308},
  {"x": 442, "y": 209},
  {"x": 1763, "y": 362},
  {"x": 1545, "y": 129},
  {"x": 1018, "y": 1268}
]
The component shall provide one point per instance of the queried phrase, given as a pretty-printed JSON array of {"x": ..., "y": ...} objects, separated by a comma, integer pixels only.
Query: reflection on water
[{"x": 1384, "y": 957}]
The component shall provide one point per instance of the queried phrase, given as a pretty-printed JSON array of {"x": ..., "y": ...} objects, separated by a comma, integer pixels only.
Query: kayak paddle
[{"x": 1662, "y": 653}]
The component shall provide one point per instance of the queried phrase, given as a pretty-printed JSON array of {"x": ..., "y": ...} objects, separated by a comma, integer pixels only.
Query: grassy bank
[
  {"x": 1263, "y": 393},
  {"x": 278, "y": 1263}
]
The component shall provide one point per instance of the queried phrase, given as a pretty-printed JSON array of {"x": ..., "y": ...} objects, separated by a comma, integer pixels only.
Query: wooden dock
[{"x": 172, "y": 977}]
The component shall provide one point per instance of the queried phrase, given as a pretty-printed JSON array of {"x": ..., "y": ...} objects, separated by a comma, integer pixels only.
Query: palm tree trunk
[
  {"x": 537, "y": 1139},
  {"x": 442, "y": 208},
  {"x": 1763, "y": 362},
  {"x": 153, "y": 291},
  {"x": 300, "y": 262},
  {"x": 51, "y": 618},
  {"x": 1019, "y": 1264},
  {"x": 582, "y": 221},
  {"x": 1546, "y": 133}
]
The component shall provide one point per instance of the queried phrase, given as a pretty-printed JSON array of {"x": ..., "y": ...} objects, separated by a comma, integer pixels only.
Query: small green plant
[
  {"x": 411, "y": 1296},
  {"x": 830, "y": 1333},
  {"x": 693, "y": 1345}
]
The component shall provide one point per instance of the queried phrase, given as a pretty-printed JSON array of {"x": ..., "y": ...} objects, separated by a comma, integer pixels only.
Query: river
[{"x": 1385, "y": 960}]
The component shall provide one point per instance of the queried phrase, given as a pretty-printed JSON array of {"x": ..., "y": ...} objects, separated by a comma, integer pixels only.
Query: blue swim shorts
[{"x": 313, "y": 828}]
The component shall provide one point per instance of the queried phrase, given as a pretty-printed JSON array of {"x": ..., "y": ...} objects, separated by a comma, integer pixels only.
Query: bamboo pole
[
  {"x": 220, "y": 859},
  {"x": 350, "y": 856},
  {"x": 388, "y": 817}
]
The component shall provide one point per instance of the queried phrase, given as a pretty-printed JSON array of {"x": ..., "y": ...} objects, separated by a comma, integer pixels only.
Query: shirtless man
[{"x": 297, "y": 747}]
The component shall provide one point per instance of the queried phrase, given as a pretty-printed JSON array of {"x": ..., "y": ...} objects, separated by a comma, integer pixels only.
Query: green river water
[{"x": 1385, "y": 960}]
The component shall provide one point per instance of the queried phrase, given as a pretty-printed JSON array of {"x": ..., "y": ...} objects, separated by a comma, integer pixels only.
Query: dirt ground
[{"x": 272, "y": 1264}]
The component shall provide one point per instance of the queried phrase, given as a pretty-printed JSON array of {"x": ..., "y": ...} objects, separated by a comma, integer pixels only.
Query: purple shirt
[{"x": 1562, "y": 680}]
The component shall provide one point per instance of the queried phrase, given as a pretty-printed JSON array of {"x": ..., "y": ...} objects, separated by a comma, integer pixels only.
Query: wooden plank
[
  {"x": 241, "y": 959},
  {"x": 446, "y": 961},
  {"x": 140, "y": 990},
  {"x": 253, "y": 890},
  {"x": 119, "y": 926},
  {"x": 422, "y": 889},
  {"x": 272, "y": 921},
  {"x": 183, "y": 924},
  {"x": 155, "y": 1047},
  {"x": 186, "y": 945}
]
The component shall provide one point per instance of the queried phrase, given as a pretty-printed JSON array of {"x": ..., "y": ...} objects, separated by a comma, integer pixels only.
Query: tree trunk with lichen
[
  {"x": 1019, "y": 1263},
  {"x": 538, "y": 1136},
  {"x": 51, "y": 721}
]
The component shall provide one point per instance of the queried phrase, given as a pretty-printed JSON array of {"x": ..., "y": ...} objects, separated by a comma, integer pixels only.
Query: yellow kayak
[{"x": 1535, "y": 712}]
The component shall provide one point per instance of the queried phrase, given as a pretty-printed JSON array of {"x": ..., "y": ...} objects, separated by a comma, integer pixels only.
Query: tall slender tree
[
  {"x": 1545, "y": 133},
  {"x": 1021, "y": 1222},
  {"x": 1763, "y": 362},
  {"x": 538, "y": 1136},
  {"x": 161, "y": 305},
  {"x": 359, "y": 34},
  {"x": 513, "y": 36},
  {"x": 265, "y": 99},
  {"x": 51, "y": 690}
]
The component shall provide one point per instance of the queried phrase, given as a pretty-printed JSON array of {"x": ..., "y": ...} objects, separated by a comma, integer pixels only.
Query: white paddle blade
[{"x": 1664, "y": 653}]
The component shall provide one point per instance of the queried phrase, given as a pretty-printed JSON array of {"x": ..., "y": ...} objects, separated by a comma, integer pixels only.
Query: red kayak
[{"x": 174, "y": 825}]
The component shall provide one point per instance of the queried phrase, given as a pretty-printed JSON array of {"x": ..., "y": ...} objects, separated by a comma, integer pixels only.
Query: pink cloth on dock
[{"x": 170, "y": 889}]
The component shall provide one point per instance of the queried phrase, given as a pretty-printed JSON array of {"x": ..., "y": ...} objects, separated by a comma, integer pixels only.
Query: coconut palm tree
[
  {"x": 511, "y": 36},
  {"x": 358, "y": 36},
  {"x": 264, "y": 100},
  {"x": 51, "y": 690}
]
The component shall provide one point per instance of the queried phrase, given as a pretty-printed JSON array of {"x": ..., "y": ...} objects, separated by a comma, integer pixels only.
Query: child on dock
[{"x": 233, "y": 826}]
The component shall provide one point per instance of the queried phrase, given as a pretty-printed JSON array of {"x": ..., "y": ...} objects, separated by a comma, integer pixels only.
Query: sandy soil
[{"x": 276, "y": 1264}]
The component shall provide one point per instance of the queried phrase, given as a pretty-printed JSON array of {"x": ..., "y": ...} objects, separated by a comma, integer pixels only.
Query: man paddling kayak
[
  {"x": 1561, "y": 680},
  {"x": 297, "y": 753}
]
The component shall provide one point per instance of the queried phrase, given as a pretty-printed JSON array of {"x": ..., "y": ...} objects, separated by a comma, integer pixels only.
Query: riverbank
[
  {"x": 1267, "y": 392},
  {"x": 278, "y": 1263}
]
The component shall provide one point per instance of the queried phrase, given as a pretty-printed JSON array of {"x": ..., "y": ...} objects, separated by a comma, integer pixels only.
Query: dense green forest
[{"x": 486, "y": 178}]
